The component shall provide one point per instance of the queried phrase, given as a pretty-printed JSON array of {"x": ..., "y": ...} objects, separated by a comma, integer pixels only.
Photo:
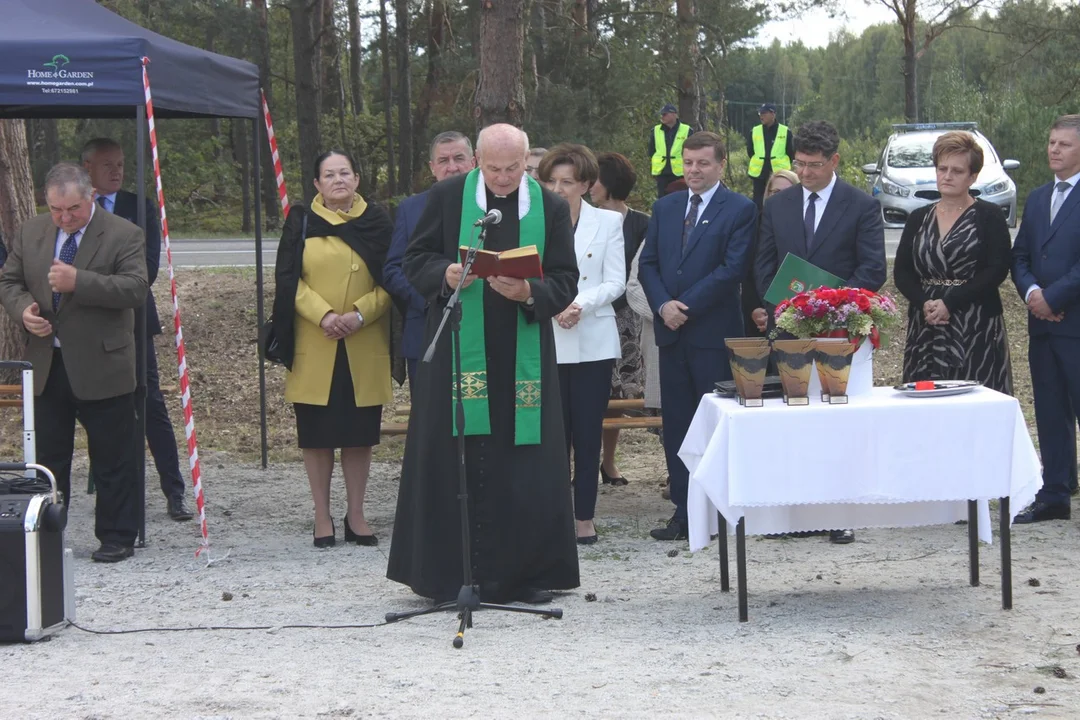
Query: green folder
[{"x": 797, "y": 275}]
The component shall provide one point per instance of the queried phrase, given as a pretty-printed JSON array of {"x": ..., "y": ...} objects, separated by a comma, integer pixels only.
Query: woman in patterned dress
[
  {"x": 617, "y": 179},
  {"x": 953, "y": 256}
]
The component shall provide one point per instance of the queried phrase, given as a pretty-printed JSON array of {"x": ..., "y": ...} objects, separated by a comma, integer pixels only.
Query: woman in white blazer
[{"x": 586, "y": 335}]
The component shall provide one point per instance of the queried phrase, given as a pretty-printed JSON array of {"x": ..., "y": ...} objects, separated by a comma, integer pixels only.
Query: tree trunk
[
  {"x": 330, "y": 67},
  {"x": 500, "y": 97},
  {"x": 911, "y": 108},
  {"x": 269, "y": 181},
  {"x": 16, "y": 205},
  {"x": 388, "y": 101},
  {"x": 438, "y": 24},
  {"x": 404, "y": 97},
  {"x": 307, "y": 90},
  {"x": 687, "y": 86},
  {"x": 356, "y": 60}
]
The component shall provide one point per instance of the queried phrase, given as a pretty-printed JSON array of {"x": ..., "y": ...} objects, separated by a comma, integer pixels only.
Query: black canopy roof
[{"x": 75, "y": 58}]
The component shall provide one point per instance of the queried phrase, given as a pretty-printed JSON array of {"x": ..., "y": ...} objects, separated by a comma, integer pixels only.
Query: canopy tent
[{"x": 77, "y": 59}]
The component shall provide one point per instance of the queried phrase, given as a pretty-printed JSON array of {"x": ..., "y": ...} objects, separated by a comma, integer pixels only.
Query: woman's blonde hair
[
  {"x": 786, "y": 175},
  {"x": 958, "y": 142}
]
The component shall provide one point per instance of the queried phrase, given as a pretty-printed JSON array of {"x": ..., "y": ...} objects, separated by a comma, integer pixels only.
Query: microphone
[{"x": 494, "y": 217}]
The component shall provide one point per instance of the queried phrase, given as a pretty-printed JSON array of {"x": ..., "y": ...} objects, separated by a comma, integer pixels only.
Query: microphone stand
[{"x": 468, "y": 598}]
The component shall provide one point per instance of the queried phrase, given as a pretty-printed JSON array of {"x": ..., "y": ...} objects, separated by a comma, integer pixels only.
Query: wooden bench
[{"x": 611, "y": 423}]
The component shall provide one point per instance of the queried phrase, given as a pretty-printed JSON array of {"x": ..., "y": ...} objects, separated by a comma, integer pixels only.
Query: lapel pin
[{"x": 704, "y": 222}]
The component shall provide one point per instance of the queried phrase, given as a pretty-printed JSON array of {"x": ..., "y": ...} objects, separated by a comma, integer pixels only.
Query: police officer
[
  {"x": 665, "y": 148},
  {"x": 770, "y": 148}
]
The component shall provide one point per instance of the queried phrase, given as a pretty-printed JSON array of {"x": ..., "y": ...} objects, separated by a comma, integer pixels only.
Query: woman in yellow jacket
[{"x": 330, "y": 265}]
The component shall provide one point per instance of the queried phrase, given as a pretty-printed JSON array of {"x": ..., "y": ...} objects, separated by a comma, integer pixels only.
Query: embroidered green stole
[{"x": 474, "y": 385}]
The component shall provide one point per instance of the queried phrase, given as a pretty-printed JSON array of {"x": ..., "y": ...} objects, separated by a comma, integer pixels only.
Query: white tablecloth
[{"x": 884, "y": 460}]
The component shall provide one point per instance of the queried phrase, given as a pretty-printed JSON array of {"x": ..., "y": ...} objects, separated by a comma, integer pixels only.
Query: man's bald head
[{"x": 502, "y": 150}]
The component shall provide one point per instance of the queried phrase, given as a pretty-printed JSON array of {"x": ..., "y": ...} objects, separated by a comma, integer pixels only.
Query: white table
[{"x": 883, "y": 460}]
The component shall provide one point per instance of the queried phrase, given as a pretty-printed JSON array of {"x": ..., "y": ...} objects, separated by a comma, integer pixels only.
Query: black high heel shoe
[
  {"x": 329, "y": 540},
  {"x": 350, "y": 536},
  {"x": 613, "y": 481}
]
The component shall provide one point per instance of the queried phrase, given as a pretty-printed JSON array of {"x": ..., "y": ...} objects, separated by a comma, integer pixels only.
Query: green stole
[{"x": 474, "y": 386}]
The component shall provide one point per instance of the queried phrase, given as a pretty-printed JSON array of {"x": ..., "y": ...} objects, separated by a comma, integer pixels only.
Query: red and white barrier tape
[
  {"x": 279, "y": 175},
  {"x": 185, "y": 385}
]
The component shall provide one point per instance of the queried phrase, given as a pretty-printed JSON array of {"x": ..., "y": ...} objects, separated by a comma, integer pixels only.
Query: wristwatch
[{"x": 529, "y": 302}]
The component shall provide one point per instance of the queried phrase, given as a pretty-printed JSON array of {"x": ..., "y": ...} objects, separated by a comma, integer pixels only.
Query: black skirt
[{"x": 339, "y": 423}]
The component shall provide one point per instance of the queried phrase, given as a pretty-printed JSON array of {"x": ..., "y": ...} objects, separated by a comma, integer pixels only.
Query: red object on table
[{"x": 925, "y": 385}]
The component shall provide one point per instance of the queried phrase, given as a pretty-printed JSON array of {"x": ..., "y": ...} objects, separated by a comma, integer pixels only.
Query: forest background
[{"x": 379, "y": 78}]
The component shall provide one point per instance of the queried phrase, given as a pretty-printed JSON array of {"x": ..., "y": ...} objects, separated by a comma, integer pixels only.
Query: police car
[{"x": 903, "y": 179}]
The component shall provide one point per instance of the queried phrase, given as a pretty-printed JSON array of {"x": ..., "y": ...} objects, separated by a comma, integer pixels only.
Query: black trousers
[
  {"x": 160, "y": 435},
  {"x": 1055, "y": 382},
  {"x": 110, "y": 426},
  {"x": 759, "y": 187},
  {"x": 585, "y": 389},
  {"x": 662, "y": 181}
]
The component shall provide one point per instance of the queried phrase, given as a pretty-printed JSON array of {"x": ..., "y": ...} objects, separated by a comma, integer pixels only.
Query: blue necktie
[
  {"x": 103, "y": 202},
  {"x": 67, "y": 256},
  {"x": 691, "y": 220},
  {"x": 809, "y": 221}
]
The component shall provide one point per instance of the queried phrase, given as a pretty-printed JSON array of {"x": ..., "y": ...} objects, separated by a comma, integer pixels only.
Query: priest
[{"x": 520, "y": 507}]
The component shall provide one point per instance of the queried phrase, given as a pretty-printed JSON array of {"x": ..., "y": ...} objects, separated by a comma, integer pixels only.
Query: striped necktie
[{"x": 67, "y": 256}]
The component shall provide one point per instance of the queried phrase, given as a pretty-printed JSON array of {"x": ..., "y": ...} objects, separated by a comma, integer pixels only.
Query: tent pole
[
  {"x": 256, "y": 194},
  {"x": 141, "y": 337}
]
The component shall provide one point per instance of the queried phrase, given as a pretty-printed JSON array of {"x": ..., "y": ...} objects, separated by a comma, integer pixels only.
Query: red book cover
[{"x": 523, "y": 263}]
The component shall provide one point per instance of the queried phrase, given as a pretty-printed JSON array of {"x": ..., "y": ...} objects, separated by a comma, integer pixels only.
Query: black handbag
[{"x": 269, "y": 347}]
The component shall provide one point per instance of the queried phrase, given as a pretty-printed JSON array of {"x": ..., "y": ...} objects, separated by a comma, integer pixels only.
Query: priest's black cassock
[{"x": 520, "y": 503}]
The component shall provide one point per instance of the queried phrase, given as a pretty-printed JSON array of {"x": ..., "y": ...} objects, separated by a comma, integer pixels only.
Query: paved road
[{"x": 240, "y": 252}]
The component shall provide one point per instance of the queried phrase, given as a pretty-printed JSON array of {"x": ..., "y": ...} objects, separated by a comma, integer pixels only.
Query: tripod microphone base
[{"x": 468, "y": 601}]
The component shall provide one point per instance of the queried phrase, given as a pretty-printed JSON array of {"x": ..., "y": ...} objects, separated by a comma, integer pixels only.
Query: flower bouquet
[{"x": 853, "y": 313}]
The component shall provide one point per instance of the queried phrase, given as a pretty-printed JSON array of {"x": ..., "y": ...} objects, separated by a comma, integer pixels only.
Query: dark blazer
[
  {"x": 706, "y": 276},
  {"x": 991, "y": 267},
  {"x": 3, "y": 252},
  {"x": 849, "y": 241},
  {"x": 96, "y": 322},
  {"x": 127, "y": 207},
  {"x": 1049, "y": 256},
  {"x": 394, "y": 280}
]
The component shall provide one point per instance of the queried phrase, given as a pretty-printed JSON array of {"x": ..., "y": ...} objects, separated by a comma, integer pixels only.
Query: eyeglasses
[
  {"x": 530, "y": 169},
  {"x": 816, "y": 165}
]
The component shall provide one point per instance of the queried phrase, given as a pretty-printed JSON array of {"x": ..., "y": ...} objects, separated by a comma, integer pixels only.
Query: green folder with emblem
[{"x": 797, "y": 275}]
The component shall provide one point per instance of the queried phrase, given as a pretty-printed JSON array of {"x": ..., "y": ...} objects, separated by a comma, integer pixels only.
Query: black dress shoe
[
  {"x": 366, "y": 540},
  {"x": 587, "y": 539},
  {"x": 615, "y": 481},
  {"x": 1040, "y": 511},
  {"x": 674, "y": 530},
  {"x": 326, "y": 541},
  {"x": 112, "y": 553},
  {"x": 841, "y": 537},
  {"x": 534, "y": 596},
  {"x": 178, "y": 511}
]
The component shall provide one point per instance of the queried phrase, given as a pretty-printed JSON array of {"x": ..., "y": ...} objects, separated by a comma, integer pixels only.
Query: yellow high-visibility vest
[
  {"x": 778, "y": 156},
  {"x": 663, "y": 154}
]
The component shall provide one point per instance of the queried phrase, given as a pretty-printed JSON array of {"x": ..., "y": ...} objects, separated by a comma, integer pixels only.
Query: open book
[{"x": 522, "y": 262}]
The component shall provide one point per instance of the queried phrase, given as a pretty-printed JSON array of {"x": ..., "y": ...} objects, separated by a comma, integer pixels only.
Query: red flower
[{"x": 863, "y": 303}]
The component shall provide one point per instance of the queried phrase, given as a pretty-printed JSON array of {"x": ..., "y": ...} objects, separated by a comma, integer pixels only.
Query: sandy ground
[{"x": 885, "y": 628}]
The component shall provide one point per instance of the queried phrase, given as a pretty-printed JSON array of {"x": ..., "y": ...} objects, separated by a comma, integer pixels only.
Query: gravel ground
[{"x": 884, "y": 628}]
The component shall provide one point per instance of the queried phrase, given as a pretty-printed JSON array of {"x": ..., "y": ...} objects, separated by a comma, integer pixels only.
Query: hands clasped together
[
  {"x": 673, "y": 313},
  {"x": 61, "y": 280},
  {"x": 336, "y": 326},
  {"x": 935, "y": 312},
  {"x": 1038, "y": 307}
]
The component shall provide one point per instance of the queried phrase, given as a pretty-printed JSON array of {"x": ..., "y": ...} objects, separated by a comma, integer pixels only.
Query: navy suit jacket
[
  {"x": 394, "y": 280},
  {"x": 1049, "y": 256},
  {"x": 127, "y": 207},
  {"x": 849, "y": 241},
  {"x": 706, "y": 277}
]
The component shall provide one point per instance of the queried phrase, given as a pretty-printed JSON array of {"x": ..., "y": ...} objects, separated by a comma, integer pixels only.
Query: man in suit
[
  {"x": 451, "y": 154},
  {"x": 690, "y": 267},
  {"x": 825, "y": 221},
  {"x": 73, "y": 280},
  {"x": 103, "y": 159},
  {"x": 1046, "y": 270}
]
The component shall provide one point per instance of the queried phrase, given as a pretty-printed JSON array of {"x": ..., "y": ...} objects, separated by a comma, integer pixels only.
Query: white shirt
[
  {"x": 822, "y": 200},
  {"x": 1053, "y": 195},
  {"x": 61, "y": 238},
  {"x": 110, "y": 201},
  {"x": 706, "y": 198}
]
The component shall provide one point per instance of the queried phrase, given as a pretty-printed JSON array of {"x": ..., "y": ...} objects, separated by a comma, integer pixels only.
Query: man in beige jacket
[{"x": 73, "y": 280}]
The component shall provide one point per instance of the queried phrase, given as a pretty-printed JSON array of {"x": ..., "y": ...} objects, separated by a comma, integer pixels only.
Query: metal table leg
[
  {"x": 973, "y": 541},
  {"x": 1006, "y": 554},
  {"x": 725, "y": 580},
  {"x": 740, "y": 566}
]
